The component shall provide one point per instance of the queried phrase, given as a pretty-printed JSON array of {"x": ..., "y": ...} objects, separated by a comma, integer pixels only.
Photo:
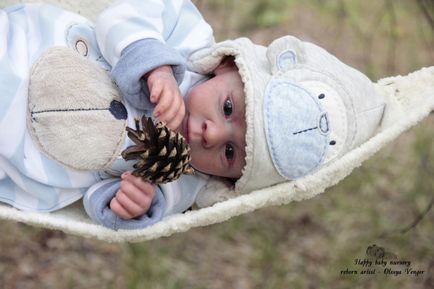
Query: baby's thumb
[{"x": 125, "y": 174}]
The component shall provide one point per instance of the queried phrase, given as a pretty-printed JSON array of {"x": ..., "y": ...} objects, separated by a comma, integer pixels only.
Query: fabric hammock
[{"x": 409, "y": 99}]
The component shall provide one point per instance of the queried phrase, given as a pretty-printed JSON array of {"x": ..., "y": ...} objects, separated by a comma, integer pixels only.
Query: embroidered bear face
[
  {"x": 75, "y": 111},
  {"x": 304, "y": 116}
]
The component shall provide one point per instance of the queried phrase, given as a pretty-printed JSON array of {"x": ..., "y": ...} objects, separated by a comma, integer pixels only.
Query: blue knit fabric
[
  {"x": 96, "y": 204},
  {"x": 139, "y": 58}
]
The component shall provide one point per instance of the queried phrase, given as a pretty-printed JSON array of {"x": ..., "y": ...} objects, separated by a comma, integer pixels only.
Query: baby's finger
[
  {"x": 172, "y": 110},
  {"x": 164, "y": 103},
  {"x": 117, "y": 208},
  {"x": 142, "y": 188},
  {"x": 155, "y": 91},
  {"x": 142, "y": 197},
  {"x": 177, "y": 120},
  {"x": 129, "y": 205}
]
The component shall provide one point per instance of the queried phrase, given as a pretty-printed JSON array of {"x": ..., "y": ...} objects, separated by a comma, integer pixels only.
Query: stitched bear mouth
[
  {"x": 323, "y": 126},
  {"x": 116, "y": 108}
]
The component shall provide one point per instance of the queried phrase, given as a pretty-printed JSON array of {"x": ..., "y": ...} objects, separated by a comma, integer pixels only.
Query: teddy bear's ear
[{"x": 284, "y": 53}]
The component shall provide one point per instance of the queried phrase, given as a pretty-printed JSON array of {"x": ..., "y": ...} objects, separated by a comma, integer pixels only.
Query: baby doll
[
  {"x": 76, "y": 117},
  {"x": 254, "y": 114}
]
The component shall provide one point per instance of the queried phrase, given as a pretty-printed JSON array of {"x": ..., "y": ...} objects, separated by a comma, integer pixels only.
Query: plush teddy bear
[{"x": 75, "y": 111}]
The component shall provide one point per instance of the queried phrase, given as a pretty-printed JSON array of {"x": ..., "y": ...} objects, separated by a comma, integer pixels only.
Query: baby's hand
[
  {"x": 165, "y": 92},
  {"x": 133, "y": 198}
]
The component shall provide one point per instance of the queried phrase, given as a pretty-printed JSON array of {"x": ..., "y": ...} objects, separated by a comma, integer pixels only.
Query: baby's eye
[
  {"x": 227, "y": 107},
  {"x": 229, "y": 152}
]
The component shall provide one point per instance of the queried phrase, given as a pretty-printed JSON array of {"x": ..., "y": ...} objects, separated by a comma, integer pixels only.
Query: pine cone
[{"x": 162, "y": 154}]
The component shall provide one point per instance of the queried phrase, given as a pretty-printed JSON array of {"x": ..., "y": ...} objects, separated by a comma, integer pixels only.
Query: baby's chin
[
  {"x": 200, "y": 168},
  {"x": 211, "y": 172}
]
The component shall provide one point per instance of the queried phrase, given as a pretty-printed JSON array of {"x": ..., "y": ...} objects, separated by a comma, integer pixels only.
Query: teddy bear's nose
[
  {"x": 118, "y": 110},
  {"x": 323, "y": 124}
]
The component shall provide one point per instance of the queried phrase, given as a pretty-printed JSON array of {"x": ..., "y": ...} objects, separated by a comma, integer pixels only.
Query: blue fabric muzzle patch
[{"x": 297, "y": 128}]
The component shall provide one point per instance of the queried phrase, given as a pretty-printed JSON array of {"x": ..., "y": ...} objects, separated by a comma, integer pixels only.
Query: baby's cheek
[
  {"x": 202, "y": 161},
  {"x": 196, "y": 160},
  {"x": 190, "y": 99}
]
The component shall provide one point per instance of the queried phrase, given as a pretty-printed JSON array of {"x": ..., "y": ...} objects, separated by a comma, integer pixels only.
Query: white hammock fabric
[{"x": 409, "y": 100}]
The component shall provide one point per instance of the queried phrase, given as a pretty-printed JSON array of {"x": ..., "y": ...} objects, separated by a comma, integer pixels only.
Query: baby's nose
[{"x": 212, "y": 134}]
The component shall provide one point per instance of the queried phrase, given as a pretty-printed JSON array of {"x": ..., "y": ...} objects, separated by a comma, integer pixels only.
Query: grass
[{"x": 301, "y": 245}]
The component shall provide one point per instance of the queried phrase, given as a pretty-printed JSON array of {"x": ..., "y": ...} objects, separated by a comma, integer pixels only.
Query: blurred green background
[{"x": 301, "y": 245}]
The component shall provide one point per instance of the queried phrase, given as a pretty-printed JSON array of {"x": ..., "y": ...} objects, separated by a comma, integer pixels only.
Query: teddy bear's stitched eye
[
  {"x": 332, "y": 143},
  {"x": 321, "y": 96}
]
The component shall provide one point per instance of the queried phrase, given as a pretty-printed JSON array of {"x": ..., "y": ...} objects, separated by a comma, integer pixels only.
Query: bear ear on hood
[
  {"x": 206, "y": 60},
  {"x": 284, "y": 53},
  {"x": 227, "y": 64}
]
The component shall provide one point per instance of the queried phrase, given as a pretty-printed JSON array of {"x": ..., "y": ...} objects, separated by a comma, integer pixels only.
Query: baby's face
[{"x": 215, "y": 125}]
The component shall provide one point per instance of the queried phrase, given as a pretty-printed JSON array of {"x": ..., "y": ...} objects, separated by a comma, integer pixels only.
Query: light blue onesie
[{"x": 166, "y": 32}]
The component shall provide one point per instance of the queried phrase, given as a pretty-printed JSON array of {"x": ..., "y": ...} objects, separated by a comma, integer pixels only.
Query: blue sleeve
[
  {"x": 136, "y": 36},
  {"x": 96, "y": 203},
  {"x": 139, "y": 58},
  {"x": 178, "y": 24}
]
